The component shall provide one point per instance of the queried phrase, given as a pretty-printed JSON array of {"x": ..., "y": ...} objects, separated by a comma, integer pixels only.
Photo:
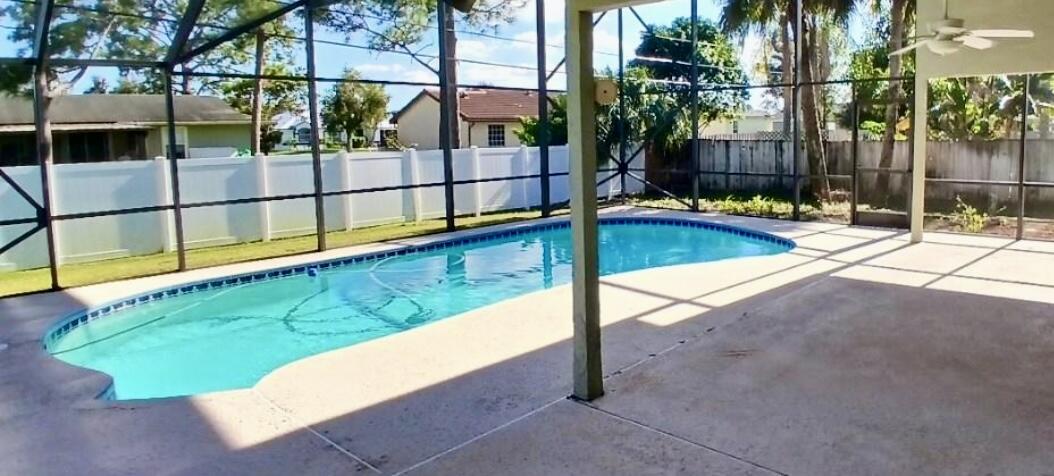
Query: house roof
[
  {"x": 757, "y": 113},
  {"x": 484, "y": 104},
  {"x": 288, "y": 120},
  {"x": 121, "y": 109}
]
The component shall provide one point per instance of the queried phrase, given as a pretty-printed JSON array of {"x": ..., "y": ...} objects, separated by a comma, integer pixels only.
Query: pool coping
[{"x": 83, "y": 316}]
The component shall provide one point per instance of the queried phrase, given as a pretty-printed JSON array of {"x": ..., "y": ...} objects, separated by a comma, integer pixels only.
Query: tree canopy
[
  {"x": 99, "y": 29},
  {"x": 656, "y": 96},
  {"x": 662, "y": 70},
  {"x": 354, "y": 109}
]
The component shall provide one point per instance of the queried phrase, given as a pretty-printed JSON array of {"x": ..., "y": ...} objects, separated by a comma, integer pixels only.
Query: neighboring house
[
  {"x": 114, "y": 127},
  {"x": 763, "y": 125},
  {"x": 747, "y": 122},
  {"x": 295, "y": 129},
  {"x": 296, "y": 132},
  {"x": 488, "y": 118},
  {"x": 384, "y": 132}
]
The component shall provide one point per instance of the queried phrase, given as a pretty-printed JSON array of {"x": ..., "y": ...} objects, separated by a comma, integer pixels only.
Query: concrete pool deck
[{"x": 856, "y": 353}]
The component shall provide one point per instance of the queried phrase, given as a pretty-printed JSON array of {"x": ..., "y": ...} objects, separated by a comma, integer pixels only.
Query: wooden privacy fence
[{"x": 764, "y": 165}]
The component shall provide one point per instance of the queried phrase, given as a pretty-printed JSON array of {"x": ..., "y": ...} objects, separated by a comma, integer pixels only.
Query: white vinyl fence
[{"x": 98, "y": 187}]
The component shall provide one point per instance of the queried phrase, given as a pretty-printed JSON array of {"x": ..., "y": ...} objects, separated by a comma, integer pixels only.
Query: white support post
[
  {"x": 415, "y": 178},
  {"x": 344, "y": 160},
  {"x": 263, "y": 189},
  {"x": 918, "y": 172},
  {"x": 477, "y": 173},
  {"x": 525, "y": 168},
  {"x": 164, "y": 197},
  {"x": 581, "y": 123}
]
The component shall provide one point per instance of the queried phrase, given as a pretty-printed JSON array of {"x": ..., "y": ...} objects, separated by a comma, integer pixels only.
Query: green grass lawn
[{"x": 81, "y": 274}]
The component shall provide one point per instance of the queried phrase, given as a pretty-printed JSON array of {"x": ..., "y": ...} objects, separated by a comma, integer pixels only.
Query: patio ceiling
[{"x": 1008, "y": 56}]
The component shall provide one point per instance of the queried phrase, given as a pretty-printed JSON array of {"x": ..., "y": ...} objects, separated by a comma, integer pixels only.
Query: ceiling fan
[{"x": 949, "y": 35}]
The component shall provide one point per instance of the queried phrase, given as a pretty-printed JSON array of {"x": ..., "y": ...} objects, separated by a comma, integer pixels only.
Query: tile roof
[{"x": 486, "y": 104}]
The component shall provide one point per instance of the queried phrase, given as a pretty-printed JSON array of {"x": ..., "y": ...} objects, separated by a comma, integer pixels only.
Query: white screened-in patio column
[
  {"x": 918, "y": 160},
  {"x": 581, "y": 134}
]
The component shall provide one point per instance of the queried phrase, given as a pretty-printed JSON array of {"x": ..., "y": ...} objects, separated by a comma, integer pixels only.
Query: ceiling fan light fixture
[{"x": 943, "y": 47}]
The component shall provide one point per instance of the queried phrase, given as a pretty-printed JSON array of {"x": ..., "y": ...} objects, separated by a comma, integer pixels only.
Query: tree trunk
[
  {"x": 185, "y": 83},
  {"x": 45, "y": 141},
  {"x": 258, "y": 85},
  {"x": 811, "y": 119},
  {"x": 896, "y": 92},
  {"x": 451, "y": 75},
  {"x": 787, "y": 67},
  {"x": 349, "y": 140}
]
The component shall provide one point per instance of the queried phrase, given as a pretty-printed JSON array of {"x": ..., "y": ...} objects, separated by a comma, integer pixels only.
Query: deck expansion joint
[
  {"x": 329, "y": 441},
  {"x": 682, "y": 439},
  {"x": 478, "y": 437}
]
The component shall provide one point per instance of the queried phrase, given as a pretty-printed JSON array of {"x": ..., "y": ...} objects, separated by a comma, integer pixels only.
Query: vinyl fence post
[
  {"x": 525, "y": 169},
  {"x": 164, "y": 197},
  {"x": 476, "y": 175},
  {"x": 263, "y": 189},
  {"x": 415, "y": 179},
  {"x": 344, "y": 160}
]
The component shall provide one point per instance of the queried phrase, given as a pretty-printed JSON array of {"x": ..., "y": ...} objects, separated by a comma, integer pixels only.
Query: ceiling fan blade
[
  {"x": 1003, "y": 33},
  {"x": 908, "y": 48},
  {"x": 976, "y": 42}
]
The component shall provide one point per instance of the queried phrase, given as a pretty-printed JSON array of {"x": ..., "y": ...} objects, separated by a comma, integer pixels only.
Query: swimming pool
[{"x": 229, "y": 333}]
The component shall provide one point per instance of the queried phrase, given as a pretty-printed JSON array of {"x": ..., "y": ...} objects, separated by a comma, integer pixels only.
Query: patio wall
[{"x": 95, "y": 187}]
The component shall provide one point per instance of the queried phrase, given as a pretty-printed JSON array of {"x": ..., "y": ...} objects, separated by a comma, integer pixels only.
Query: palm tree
[
  {"x": 899, "y": 15},
  {"x": 1040, "y": 100},
  {"x": 746, "y": 15},
  {"x": 741, "y": 17}
]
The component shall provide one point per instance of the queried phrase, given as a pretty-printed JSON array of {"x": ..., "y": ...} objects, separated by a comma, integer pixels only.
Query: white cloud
[
  {"x": 476, "y": 49},
  {"x": 396, "y": 72},
  {"x": 605, "y": 42},
  {"x": 554, "y": 12},
  {"x": 496, "y": 76}
]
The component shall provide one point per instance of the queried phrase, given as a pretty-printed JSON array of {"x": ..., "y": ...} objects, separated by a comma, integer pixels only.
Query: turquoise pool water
[{"x": 229, "y": 333}]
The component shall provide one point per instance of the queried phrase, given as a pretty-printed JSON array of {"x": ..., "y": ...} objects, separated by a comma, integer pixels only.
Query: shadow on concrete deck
[{"x": 855, "y": 356}]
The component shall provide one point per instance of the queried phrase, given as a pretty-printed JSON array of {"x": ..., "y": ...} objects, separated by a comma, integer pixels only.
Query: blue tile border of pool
[{"x": 76, "y": 319}]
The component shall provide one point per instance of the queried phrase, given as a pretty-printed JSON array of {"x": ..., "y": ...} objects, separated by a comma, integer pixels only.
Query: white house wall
[
  {"x": 419, "y": 125},
  {"x": 475, "y": 133}
]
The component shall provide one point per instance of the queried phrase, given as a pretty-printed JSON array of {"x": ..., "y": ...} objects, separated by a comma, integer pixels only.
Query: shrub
[
  {"x": 967, "y": 217},
  {"x": 757, "y": 206}
]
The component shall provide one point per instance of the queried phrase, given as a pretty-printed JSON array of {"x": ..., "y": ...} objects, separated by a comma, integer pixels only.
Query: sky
[{"x": 519, "y": 54}]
